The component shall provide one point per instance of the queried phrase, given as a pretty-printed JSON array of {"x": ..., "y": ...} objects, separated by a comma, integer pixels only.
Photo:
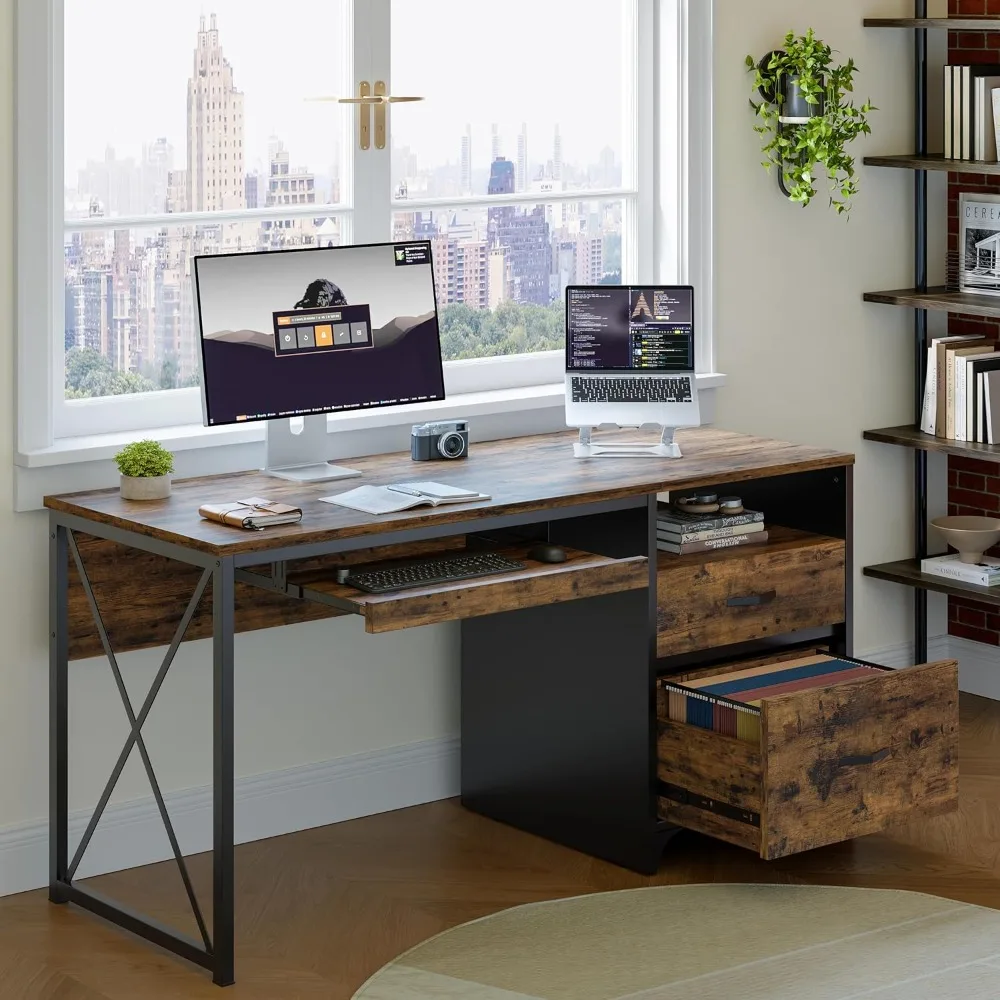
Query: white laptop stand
[{"x": 667, "y": 447}]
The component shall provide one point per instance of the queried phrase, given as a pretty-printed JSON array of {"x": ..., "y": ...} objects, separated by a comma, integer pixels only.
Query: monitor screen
[
  {"x": 648, "y": 328},
  {"x": 298, "y": 332}
]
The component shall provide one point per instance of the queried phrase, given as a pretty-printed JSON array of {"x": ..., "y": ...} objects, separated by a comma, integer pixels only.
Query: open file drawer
[{"x": 828, "y": 764}]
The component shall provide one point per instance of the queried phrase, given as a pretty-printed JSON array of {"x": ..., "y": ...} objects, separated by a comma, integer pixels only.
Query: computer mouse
[{"x": 547, "y": 553}]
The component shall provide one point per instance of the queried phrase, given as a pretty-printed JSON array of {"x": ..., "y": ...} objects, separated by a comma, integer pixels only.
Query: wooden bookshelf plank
[
  {"x": 912, "y": 437},
  {"x": 951, "y": 23},
  {"x": 907, "y": 572},
  {"x": 939, "y": 299},
  {"x": 933, "y": 161}
]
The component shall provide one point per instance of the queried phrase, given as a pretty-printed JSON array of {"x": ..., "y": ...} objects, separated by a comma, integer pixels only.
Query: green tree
[
  {"x": 89, "y": 374},
  {"x": 167, "y": 378},
  {"x": 82, "y": 362},
  {"x": 511, "y": 328}
]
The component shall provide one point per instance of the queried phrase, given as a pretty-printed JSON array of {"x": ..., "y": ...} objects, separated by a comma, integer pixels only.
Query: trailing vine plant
[{"x": 798, "y": 149}]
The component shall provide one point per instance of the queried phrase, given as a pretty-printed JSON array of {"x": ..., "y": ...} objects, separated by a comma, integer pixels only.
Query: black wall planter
[{"x": 795, "y": 109}]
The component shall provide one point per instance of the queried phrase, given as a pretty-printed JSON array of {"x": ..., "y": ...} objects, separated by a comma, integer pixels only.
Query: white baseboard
[
  {"x": 978, "y": 664},
  {"x": 266, "y": 805},
  {"x": 902, "y": 655},
  {"x": 280, "y": 802}
]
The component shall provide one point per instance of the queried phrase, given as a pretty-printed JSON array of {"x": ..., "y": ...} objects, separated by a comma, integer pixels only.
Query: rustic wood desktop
[{"x": 559, "y": 667}]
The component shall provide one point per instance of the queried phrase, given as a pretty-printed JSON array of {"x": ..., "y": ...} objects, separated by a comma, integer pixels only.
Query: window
[{"x": 157, "y": 150}]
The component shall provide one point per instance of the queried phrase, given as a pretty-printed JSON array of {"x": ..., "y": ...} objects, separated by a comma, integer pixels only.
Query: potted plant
[
  {"x": 145, "y": 468},
  {"x": 807, "y": 119}
]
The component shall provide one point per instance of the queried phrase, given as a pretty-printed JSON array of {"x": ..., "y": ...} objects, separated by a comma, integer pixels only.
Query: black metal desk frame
[{"x": 215, "y": 950}]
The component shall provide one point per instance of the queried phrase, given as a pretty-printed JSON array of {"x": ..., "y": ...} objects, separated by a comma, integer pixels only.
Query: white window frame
[{"x": 667, "y": 185}]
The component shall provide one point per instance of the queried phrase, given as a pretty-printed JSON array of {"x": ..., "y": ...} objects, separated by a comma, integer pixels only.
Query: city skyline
[
  {"x": 130, "y": 314},
  {"x": 99, "y": 52}
]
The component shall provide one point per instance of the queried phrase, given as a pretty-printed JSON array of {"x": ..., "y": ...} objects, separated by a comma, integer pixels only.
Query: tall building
[
  {"x": 252, "y": 188},
  {"x": 287, "y": 186},
  {"x": 177, "y": 191},
  {"x": 215, "y": 129},
  {"x": 522, "y": 158},
  {"x": 157, "y": 162},
  {"x": 557, "y": 159},
  {"x": 499, "y": 276},
  {"x": 501, "y": 177},
  {"x": 495, "y": 151},
  {"x": 115, "y": 184},
  {"x": 465, "y": 162},
  {"x": 501, "y": 182},
  {"x": 461, "y": 269},
  {"x": 525, "y": 238}
]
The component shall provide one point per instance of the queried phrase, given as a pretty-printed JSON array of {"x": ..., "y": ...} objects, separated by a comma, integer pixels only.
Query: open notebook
[{"x": 403, "y": 496}]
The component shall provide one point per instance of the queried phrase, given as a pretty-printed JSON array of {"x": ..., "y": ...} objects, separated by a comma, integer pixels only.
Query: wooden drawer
[
  {"x": 830, "y": 764},
  {"x": 795, "y": 581}
]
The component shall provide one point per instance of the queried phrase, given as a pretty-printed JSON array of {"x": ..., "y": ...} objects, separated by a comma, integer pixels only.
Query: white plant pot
[{"x": 145, "y": 487}]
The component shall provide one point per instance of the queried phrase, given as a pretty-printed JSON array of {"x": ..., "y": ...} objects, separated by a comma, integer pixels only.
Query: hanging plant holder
[{"x": 806, "y": 119}]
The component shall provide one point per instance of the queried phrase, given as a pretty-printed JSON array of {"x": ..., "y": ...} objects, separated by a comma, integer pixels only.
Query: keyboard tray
[{"x": 583, "y": 574}]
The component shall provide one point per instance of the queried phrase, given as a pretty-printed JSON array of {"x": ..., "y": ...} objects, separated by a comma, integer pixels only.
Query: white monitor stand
[
  {"x": 667, "y": 447},
  {"x": 301, "y": 457}
]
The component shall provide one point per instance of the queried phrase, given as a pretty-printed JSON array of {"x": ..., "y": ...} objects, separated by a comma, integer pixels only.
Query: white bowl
[{"x": 972, "y": 536}]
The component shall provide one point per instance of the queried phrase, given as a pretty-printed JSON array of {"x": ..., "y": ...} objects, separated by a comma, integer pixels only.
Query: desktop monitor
[{"x": 304, "y": 333}]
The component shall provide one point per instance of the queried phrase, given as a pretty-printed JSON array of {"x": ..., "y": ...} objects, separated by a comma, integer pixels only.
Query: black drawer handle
[
  {"x": 752, "y": 600},
  {"x": 864, "y": 761}
]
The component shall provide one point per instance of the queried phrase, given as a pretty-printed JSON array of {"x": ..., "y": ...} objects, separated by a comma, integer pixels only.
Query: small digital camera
[{"x": 442, "y": 439}]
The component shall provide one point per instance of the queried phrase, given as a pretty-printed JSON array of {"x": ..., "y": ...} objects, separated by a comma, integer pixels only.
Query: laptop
[{"x": 630, "y": 356}]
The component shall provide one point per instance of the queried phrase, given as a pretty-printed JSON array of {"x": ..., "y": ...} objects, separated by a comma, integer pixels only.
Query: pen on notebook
[{"x": 408, "y": 492}]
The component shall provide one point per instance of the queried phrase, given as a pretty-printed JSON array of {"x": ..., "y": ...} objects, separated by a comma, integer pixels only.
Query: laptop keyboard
[{"x": 648, "y": 389}]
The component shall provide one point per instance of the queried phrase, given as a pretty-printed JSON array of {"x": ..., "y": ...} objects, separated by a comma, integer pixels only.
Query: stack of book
[
  {"x": 680, "y": 532},
  {"x": 985, "y": 573},
  {"x": 971, "y": 106},
  {"x": 962, "y": 391}
]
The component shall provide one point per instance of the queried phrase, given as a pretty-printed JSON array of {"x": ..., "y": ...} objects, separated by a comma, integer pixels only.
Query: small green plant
[
  {"x": 797, "y": 149},
  {"x": 143, "y": 459}
]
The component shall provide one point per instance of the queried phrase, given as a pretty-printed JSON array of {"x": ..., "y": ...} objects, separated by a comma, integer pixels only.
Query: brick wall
[{"x": 973, "y": 486}]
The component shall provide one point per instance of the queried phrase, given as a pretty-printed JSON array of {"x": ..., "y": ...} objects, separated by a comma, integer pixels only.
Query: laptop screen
[{"x": 640, "y": 328}]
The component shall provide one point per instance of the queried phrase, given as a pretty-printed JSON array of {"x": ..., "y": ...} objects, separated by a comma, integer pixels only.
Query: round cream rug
[{"x": 710, "y": 942}]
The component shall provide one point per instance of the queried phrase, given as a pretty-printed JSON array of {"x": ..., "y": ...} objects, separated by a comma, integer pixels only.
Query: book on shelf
[
  {"x": 969, "y": 122},
  {"x": 984, "y": 125},
  {"x": 976, "y": 369},
  {"x": 714, "y": 544},
  {"x": 991, "y": 407},
  {"x": 963, "y": 394},
  {"x": 678, "y": 521},
  {"x": 945, "y": 425},
  {"x": 928, "y": 418},
  {"x": 985, "y": 573},
  {"x": 706, "y": 534}
]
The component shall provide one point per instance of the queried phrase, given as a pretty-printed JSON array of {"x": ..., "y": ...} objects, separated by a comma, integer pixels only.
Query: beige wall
[{"x": 806, "y": 361}]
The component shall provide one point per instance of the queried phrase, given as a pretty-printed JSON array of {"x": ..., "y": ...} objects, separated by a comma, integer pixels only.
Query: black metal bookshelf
[{"x": 920, "y": 298}]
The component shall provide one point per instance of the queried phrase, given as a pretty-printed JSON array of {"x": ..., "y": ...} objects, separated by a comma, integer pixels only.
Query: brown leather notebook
[{"x": 254, "y": 513}]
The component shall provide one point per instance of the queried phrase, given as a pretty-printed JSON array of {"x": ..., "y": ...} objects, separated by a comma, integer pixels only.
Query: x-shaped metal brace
[{"x": 135, "y": 735}]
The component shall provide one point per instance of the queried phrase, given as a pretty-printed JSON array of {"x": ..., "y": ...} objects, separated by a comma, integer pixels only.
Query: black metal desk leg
[
  {"x": 58, "y": 712},
  {"x": 223, "y": 606}
]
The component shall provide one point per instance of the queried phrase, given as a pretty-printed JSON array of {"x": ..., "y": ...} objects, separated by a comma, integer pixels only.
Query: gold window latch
[{"x": 380, "y": 99}]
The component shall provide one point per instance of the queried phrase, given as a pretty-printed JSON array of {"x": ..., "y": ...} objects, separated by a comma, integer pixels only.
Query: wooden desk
[{"x": 558, "y": 667}]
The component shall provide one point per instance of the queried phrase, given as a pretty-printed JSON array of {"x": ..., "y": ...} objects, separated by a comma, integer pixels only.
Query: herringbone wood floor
[{"x": 319, "y": 911}]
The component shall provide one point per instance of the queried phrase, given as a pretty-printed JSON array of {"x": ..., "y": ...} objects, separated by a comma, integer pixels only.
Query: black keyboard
[
  {"x": 425, "y": 572},
  {"x": 665, "y": 389}
]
